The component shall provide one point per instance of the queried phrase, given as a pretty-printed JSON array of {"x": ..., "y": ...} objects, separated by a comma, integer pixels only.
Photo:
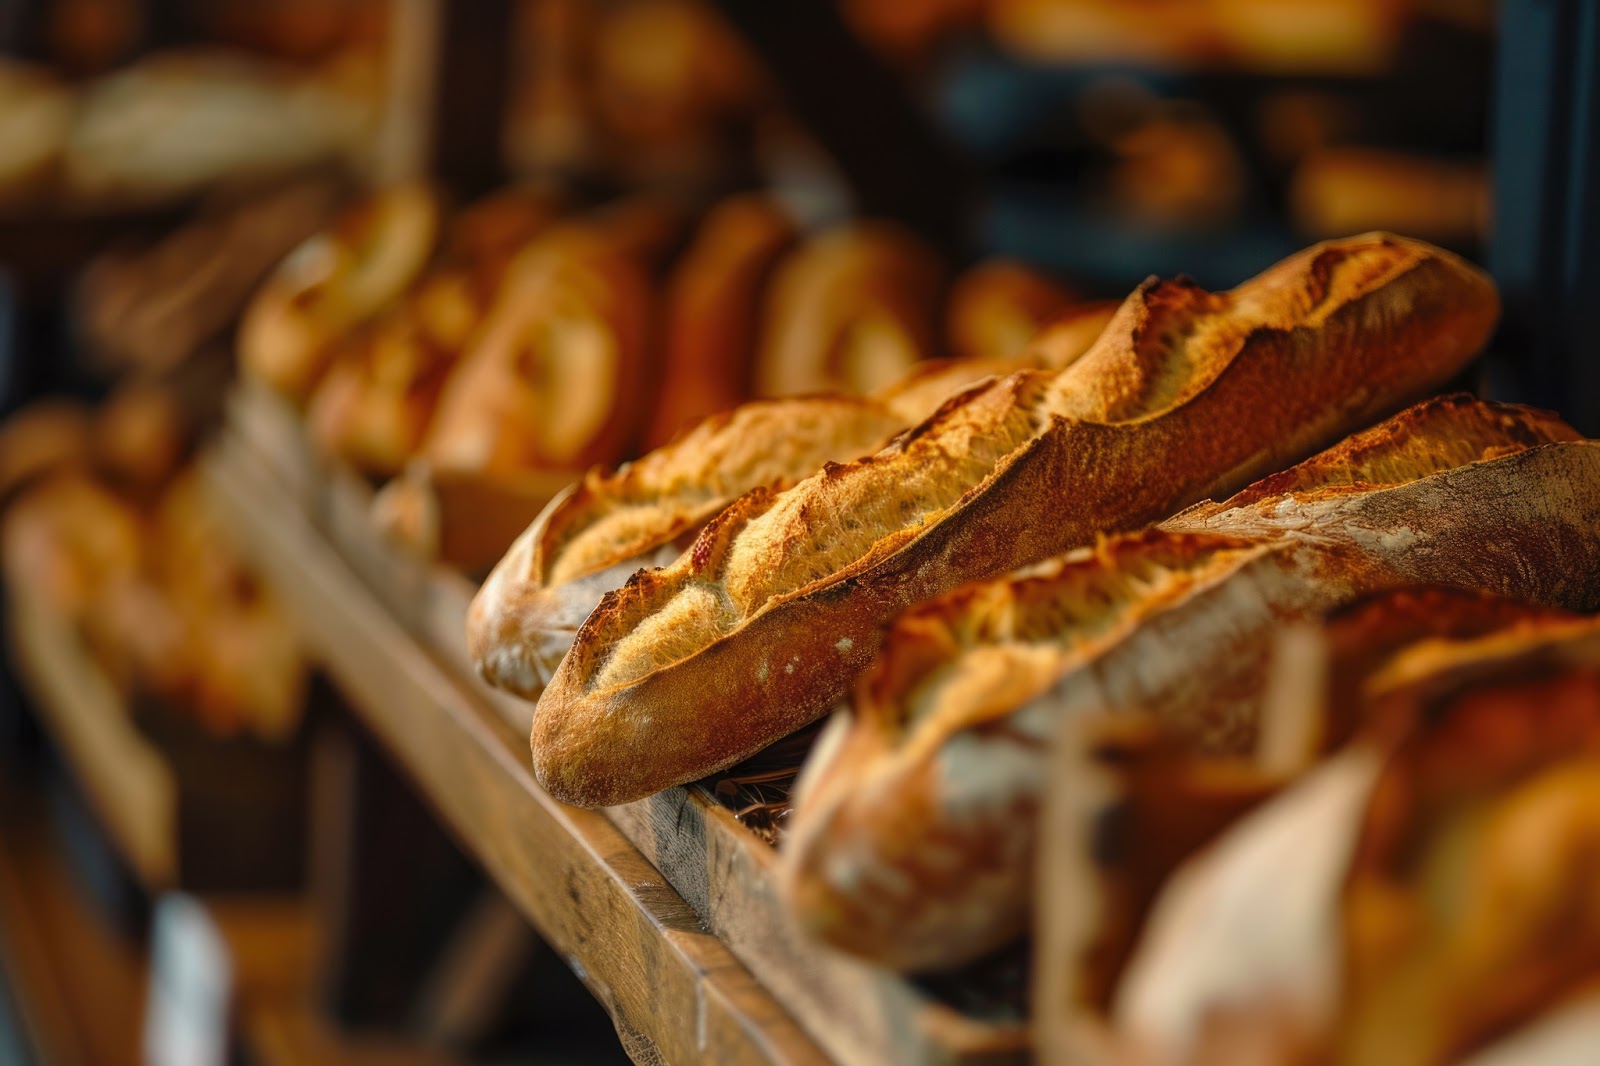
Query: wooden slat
[
  {"x": 859, "y": 1013},
  {"x": 129, "y": 785},
  {"x": 674, "y": 992}
]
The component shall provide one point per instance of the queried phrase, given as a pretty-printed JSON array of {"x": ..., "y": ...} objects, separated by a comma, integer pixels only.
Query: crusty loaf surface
[
  {"x": 763, "y": 623},
  {"x": 593, "y": 538},
  {"x": 1435, "y": 894},
  {"x": 914, "y": 829}
]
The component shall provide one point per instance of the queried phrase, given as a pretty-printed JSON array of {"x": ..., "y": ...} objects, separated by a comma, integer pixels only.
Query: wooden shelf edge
[
  {"x": 128, "y": 784},
  {"x": 671, "y": 988}
]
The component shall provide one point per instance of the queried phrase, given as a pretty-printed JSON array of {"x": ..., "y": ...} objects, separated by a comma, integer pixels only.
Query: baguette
[
  {"x": 761, "y": 626},
  {"x": 592, "y": 538},
  {"x": 1441, "y": 898},
  {"x": 1167, "y": 802},
  {"x": 710, "y": 311},
  {"x": 914, "y": 830}
]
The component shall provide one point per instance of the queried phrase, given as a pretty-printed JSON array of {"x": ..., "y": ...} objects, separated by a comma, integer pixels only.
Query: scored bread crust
[
  {"x": 778, "y": 605},
  {"x": 593, "y": 537},
  {"x": 913, "y": 832}
]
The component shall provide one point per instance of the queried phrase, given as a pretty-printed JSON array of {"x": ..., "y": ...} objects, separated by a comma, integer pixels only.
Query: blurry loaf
[
  {"x": 850, "y": 311},
  {"x": 333, "y": 283},
  {"x": 764, "y": 622}
]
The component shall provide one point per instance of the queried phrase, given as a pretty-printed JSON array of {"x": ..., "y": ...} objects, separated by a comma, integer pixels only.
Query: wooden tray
[{"x": 856, "y": 1012}]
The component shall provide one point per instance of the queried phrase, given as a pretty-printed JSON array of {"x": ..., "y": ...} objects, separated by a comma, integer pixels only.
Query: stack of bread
[
  {"x": 109, "y": 527},
  {"x": 1112, "y": 534}
]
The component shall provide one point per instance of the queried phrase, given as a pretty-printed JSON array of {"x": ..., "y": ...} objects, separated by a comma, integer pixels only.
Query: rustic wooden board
[
  {"x": 859, "y": 1013},
  {"x": 128, "y": 783},
  {"x": 673, "y": 991}
]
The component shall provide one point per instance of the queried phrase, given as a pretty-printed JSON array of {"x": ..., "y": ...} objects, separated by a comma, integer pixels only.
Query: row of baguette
[
  {"x": 922, "y": 590},
  {"x": 925, "y": 585}
]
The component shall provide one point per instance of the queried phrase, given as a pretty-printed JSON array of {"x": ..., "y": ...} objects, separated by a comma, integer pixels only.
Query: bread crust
[
  {"x": 912, "y": 839},
  {"x": 761, "y": 626}
]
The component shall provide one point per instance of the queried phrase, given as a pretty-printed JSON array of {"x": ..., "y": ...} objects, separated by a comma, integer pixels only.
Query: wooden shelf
[
  {"x": 674, "y": 991},
  {"x": 392, "y": 631}
]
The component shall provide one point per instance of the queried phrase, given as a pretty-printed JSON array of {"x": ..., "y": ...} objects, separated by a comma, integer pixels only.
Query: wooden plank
[
  {"x": 674, "y": 992},
  {"x": 859, "y": 1013},
  {"x": 129, "y": 785}
]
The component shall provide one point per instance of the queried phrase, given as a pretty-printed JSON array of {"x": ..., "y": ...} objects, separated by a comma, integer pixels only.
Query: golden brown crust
[
  {"x": 779, "y": 603},
  {"x": 594, "y": 536},
  {"x": 944, "y": 754}
]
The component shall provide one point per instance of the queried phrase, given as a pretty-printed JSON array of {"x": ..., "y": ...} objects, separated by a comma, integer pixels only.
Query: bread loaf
[
  {"x": 850, "y": 311},
  {"x": 913, "y": 835},
  {"x": 333, "y": 283},
  {"x": 594, "y": 537},
  {"x": 997, "y": 307},
  {"x": 764, "y": 622},
  {"x": 549, "y": 379},
  {"x": 1439, "y": 899},
  {"x": 709, "y": 318}
]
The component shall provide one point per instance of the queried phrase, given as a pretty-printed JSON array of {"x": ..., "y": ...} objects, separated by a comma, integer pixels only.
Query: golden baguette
[
  {"x": 914, "y": 828},
  {"x": 591, "y": 538},
  {"x": 779, "y": 604}
]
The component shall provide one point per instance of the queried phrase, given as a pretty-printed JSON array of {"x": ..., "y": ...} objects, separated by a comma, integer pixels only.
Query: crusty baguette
[
  {"x": 765, "y": 621},
  {"x": 914, "y": 830},
  {"x": 592, "y": 538},
  {"x": 1437, "y": 901}
]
